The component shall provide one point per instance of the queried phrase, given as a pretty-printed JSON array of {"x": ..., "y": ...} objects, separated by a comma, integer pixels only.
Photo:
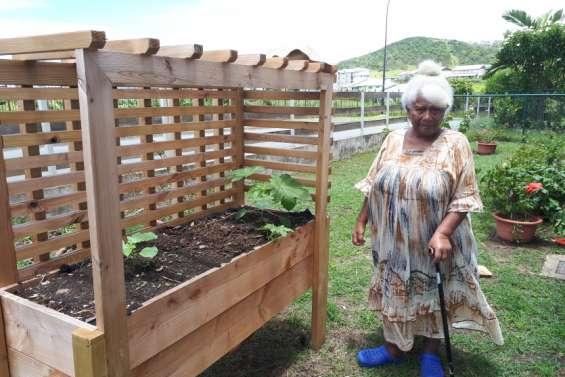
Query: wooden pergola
[{"x": 218, "y": 98}]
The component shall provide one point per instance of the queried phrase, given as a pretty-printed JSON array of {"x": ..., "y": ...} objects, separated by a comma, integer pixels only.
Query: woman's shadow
[{"x": 267, "y": 353}]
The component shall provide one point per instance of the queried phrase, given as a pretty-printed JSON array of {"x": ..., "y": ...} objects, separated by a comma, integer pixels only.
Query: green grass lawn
[{"x": 530, "y": 307}]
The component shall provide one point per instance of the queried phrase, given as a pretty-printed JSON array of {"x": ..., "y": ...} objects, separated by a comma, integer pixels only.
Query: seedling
[{"x": 129, "y": 248}]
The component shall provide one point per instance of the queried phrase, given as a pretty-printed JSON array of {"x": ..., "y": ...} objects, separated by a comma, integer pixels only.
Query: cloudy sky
[{"x": 332, "y": 30}]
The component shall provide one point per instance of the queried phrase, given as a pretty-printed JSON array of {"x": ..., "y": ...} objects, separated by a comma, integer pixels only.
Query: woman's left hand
[{"x": 441, "y": 245}]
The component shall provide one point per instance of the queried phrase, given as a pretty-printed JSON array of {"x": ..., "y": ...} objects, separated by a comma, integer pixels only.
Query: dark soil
[{"x": 185, "y": 251}]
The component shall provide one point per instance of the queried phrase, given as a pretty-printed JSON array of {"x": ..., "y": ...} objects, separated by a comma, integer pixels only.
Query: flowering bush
[{"x": 526, "y": 186}]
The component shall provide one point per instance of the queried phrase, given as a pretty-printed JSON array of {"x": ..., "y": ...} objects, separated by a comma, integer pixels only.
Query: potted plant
[
  {"x": 509, "y": 192},
  {"x": 525, "y": 191},
  {"x": 486, "y": 143}
]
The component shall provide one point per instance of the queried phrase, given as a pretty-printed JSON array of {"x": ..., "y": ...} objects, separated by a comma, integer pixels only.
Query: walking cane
[{"x": 431, "y": 251}]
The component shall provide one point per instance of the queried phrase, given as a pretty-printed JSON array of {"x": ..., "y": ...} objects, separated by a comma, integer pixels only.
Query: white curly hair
[{"x": 429, "y": 85}]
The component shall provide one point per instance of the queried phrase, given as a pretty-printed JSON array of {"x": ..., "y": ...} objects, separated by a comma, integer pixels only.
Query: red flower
[
  {"x": 559, "y": 241},
  {"x": 533, "y": 187}
]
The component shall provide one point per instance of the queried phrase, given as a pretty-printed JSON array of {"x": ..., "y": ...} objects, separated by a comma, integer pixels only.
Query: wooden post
[
  {"x": 4, "y": 363},
  {"x": 237, "y": 146},
  {"x": 89, "y": 353},
  {"x": 387, "y": 108},
  {"x": 321, "y": 237},
  {"x": 362, "y": 99},
  {"x": 101, "y": 173},
  {"x": 8, "y": 267}
]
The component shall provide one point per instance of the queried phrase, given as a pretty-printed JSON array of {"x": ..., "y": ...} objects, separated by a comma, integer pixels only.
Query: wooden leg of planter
[
  {"x": 4, "y": 366},
  {"x": 89, "y": 352},
  {"x": 320, "y": 285}
]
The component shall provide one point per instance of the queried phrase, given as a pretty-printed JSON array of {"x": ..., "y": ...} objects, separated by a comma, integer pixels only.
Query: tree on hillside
[{"x": 524, "y": 20}]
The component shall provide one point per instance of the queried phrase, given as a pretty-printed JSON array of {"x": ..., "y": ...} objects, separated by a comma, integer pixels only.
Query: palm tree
[{"x": 524, "y": 20}]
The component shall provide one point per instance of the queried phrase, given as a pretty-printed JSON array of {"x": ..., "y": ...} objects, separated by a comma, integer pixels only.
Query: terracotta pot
[
  {"x": 516, "y": 231},
  {"x": 486, "y": 148}
]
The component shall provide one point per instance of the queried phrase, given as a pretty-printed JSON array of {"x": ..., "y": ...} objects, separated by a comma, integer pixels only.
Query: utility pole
[{"x": 386, "y": 34}]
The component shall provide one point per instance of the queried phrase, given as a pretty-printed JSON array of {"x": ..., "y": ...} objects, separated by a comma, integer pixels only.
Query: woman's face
[{"x": 425, "y": 117}]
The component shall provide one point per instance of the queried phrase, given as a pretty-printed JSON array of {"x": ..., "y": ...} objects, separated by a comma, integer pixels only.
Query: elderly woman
[{"x": 419, "y": 192}]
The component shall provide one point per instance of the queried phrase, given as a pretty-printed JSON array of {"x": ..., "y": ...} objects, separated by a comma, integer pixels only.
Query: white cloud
[{"x": 20, "y": 4}]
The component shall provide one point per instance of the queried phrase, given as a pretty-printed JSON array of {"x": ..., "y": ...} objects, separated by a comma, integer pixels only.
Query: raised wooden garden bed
[{"x": 120, "y": 140}]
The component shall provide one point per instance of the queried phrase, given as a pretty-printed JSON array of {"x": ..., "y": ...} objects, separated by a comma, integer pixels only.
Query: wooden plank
[
  {"x": 54, "y": 244},
  {"x": 281, "y": 138},
  {"x": 201, "y": 134},
  {"x": 168, "y": 111},
  {"x": 52, "y": 264},
  {"x": 28, "y": 162},
  {"x": 42, "y": 138},
  {"x": 281, "y": 152},
  {"x": 169, "y": 317},
  {"x": 316, "y": 67},
  {"x": 172, "y": 72},
  {"x": 254, "y": 60},
  {"x": 195, "y": 352},
  {"x": 186, "y": 51},
  {"x": 23, "y": 73},
  {"x": 169, "y": 210},
  {"x": 145, "y": 46},
  {"x": 51, "y": 223},
  {"x": 174, "y": 177},
  {"x": 51, "y": 342},
  {"x": 38, "y": 116},
  {"x": 172, "y": 94},
  {"x": 100, "y": 156},
  {"x": 278, "y": 95},
  {"x": 47, "y": 204},
  {"x": 237, "y": 146},
  {"x": 171, "y": 194},
  {"x": 12, "y": 94},
  {"x": 172, "y": 161},
  {"x": 89, "y": 353},
  {"x": 284, "y": 166},
  {"x": 24, "y": 366},
  {"x": 131, "y": 150},
  {"x": 173, "y": 127},
  {"x": 267, "y": 177},
  {"x": 219, "y": 132},
  {"x": 34, "y": 184},
  {"x": 321, "y": 245},
  {"x": 8, "y": 269},
  {"x": 293, "y": 125},
  {"x": 281, "y": 110},
  {"x": 4, "y": 363},
  {"x": 219, "y": 56},
  {"x": 276, "y": 63},
  {"x": 297, "y": 65},
  {"x": 53, "y": 42}
]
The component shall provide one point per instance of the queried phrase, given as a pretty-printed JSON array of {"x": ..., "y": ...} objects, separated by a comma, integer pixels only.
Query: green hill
[{"x": 408, "y": 53}]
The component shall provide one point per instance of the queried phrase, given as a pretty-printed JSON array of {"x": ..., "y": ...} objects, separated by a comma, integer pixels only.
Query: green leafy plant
[
  {"x": 129, "y": 248},
  {"x": 281, "y": 191},
  {"x": 275, "y": 231},
  {"x": 465, "y": 124}
]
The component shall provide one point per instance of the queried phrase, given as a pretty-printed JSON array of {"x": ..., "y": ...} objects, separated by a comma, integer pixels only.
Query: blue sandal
[
  {"x": 430, "y": 366},
  {"x": 376, "y": 357}
]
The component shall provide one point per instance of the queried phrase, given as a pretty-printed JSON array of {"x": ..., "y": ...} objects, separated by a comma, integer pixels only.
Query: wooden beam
[
  {"x": 316, "y": 67},
  {"x": 144, "y": 46},
  {"x": 219, "y": 56},
  {"x": 297, "y": 65},
  {"x": 276, "y": 63},
  {"x": 89, "y": 353},
  {"x": 237, "y": 146},
  {"x": 23, "y": 73},
  {"x": 53, "y": 42},
  {"x": 251, "y": 59},
  {"x": 8, "y": 268},
  {"x": 321, "y": 236},
  {"x": 101, "y": 171},
  {"x": 89, "y": 39},
  {"x": 139, "y": 70},
  {"x": 182, "y": 51},
  {"x": 4, "y": 365}
]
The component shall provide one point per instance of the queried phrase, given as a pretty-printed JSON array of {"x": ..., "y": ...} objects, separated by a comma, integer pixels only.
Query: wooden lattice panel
[{"x": 174, "y": 147}]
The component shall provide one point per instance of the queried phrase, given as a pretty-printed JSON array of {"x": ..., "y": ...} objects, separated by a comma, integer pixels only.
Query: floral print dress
[{"x": 409, "y": 193}]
